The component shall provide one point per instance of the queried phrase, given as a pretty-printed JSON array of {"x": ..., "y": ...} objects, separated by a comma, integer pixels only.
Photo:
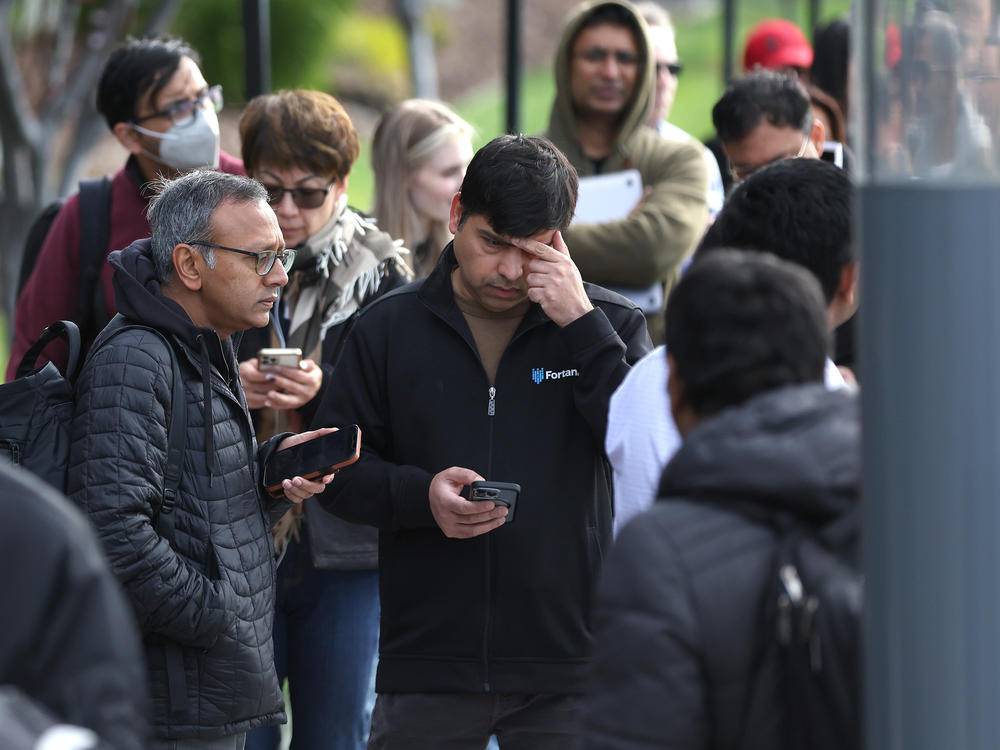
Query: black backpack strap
[
  {"x": 95, "y": 235},
  {"x": 64, "y": 329},
  {"x": 163, "y": 516},
  {"x": 176, "y": 434}
]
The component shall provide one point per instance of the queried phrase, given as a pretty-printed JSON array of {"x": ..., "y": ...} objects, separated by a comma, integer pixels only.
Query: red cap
[{"x": 775, "y": 43}]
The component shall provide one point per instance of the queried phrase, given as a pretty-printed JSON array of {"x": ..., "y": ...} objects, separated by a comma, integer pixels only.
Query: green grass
[{"x": 700, "y": 46}]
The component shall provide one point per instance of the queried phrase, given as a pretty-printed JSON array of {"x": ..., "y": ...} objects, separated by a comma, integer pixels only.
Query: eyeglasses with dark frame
[
  {"x": 741, "y": 172},
  {"x": 301, "y": 197},
  {"x": 600, "y": 54},
  {"x": 265, "y": 259},
  {"x": 182, "y": 113},
  {"x": 674, "y": 68}
]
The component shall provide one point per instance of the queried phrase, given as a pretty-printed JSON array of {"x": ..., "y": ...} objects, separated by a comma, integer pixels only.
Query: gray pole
[
  {"x": 257, "y": 44},
  {"x": 513, "y": 66},
  {"x": 728, "y": 37},
  {"x": 930, "y": 327}
]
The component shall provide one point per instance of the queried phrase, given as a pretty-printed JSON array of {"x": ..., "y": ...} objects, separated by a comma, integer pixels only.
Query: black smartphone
[
  {"x": 313, "y": 458},
  {"x": 501, "y": 493}
]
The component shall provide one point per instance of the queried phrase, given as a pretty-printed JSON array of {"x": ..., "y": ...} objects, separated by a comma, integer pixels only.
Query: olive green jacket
[{"x": 652, "y": 243}]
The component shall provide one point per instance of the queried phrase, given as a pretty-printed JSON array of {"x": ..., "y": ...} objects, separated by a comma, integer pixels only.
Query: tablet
[{"x": 607, "y": 197}]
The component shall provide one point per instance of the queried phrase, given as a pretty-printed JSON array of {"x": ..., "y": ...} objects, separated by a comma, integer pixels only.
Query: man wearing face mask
[{"x": 160, "y": 108}]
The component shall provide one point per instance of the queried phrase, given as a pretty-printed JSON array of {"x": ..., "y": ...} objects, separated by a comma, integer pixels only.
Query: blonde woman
[{"x": 419, "y": 154}]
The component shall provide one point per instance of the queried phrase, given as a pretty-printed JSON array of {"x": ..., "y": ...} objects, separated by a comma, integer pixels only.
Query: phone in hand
[
  {"x": 268, "y": 359},
  {"x": 500, "y": 493},
  {"x": 313, "y": 458}
]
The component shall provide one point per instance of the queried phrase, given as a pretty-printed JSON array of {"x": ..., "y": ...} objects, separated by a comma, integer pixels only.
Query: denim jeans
[{"x": 325, "y": 644}]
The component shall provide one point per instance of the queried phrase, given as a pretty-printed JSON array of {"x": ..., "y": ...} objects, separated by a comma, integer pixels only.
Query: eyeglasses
[
  {"x": 183, "y": 113},
  {"x": 741, "y": 172},
  {"x": 265, "y": 259},
  {"x": 301, "y": 197},
  {"x": 600, "y": 54},
  {"x": 674, "y": 68}
]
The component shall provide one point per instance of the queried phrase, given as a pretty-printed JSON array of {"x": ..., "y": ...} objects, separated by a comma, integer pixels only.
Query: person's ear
[
  {"x": 126, "y": 135},
  {"x": 189, "y": 266},
  {"x": 817, "y": 135},
  {"x": 456, "y": 213},
  {"x": 847, "y": 286}
]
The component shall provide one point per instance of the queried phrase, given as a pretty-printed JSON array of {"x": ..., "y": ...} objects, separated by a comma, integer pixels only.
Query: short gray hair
[
  {"x": 654, "y": 14},
  {"x": 182, "y": 209}
]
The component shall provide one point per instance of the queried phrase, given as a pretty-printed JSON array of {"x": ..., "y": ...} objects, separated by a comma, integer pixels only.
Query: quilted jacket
[{"x": 205, "y": 602}]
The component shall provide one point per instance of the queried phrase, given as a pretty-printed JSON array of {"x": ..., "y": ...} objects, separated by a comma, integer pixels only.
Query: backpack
[
  {"x": 95, "y": 234},
  {"x": 809, "y": 638},
  {"x": 36, "y": 414}
]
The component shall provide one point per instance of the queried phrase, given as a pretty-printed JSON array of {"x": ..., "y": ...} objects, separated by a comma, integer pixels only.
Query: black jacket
[
  {"x": 677, "y": 606},
  {"x": 210, "y": 595},
  {"x": 506, "y": 611},
  {"x": 69, "y": 641}
]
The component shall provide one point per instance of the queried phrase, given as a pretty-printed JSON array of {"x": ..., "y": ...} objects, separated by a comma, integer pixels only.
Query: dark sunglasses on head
[
  {"x": 301, "y": 197},
  {"x": 675, "y": 68},
  {"x": 600, "y": 54}
]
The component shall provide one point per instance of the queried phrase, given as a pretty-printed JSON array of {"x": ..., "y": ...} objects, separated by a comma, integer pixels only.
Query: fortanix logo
[{"x": 540, "y": 374}]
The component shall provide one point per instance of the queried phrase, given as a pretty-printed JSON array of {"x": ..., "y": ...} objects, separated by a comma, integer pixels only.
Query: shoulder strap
[
  {"x": 95, "y": 235},
  {"x": 65, "y": 329},
  {"x": 163, "y": 517}
]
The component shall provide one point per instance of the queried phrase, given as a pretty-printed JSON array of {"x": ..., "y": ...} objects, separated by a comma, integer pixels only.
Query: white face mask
[{"x": 188, "y": 146}]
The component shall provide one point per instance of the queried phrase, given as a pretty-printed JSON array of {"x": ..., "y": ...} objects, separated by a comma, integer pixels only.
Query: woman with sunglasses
[
  {"x": 419, "y": 155},
  {"x": 301, "y": 146}
]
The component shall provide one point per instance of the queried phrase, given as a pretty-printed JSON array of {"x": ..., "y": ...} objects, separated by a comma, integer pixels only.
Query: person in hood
[
  {"x": 160, "y": 108},
  {"x": 497, "y": 366},
  {"x": 605, "y": 74},
  {"x": 203, "y": 596},
  {"x": 677, "y": 609}
]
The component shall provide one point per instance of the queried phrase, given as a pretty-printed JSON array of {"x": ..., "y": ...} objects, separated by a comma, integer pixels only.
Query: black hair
[
  {"x": 831, "y": 58},
  {"x": 799, "y": 209},
  {"x": 521, "y": 184},
  {"x": 140, "y": 67},
  {"x": 765, "y": 93},
  {"x": 739, "y": 324}
]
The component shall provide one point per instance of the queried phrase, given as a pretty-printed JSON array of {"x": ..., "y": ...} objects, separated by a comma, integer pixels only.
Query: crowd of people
[{"x": 649, "y": 336}]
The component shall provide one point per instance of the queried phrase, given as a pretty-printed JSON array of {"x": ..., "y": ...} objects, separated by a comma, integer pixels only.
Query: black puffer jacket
[
  {"x": 205, "y": 605},
  {"x": 680, "y": 593}
]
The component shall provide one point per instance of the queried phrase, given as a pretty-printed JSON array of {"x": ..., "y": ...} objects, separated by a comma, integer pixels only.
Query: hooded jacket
[
  {"x": 208, "y": 596},
  {"x": 507, "y": 611},
  {"x": 677, "y": 607},
  {"x": 649, "y": 246}
]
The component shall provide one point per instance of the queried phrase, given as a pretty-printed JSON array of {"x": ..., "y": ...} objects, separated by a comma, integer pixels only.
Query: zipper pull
[{"x": 491, "y": 409}]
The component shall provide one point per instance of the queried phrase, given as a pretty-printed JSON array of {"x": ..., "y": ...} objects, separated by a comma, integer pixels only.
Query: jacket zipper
[{"x": 491, "y": 410}]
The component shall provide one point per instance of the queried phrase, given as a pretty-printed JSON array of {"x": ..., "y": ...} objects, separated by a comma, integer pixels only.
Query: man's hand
[
  {"x": 298, "y": 489},
  {"x": 554, "y": 281},
  {"x": 457, "y": 517},
  {"x": 282, "y": 387}
]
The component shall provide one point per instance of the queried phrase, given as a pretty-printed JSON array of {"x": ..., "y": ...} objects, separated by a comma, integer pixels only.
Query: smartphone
[
  {"x": 501, "y": 493},
  {"x": 268, "y": 359},
  {"x": 313, "y": 458},
  {"x": 833, "y": 152}
]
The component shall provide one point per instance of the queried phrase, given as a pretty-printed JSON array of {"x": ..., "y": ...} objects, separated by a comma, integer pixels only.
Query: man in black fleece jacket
[{"x": 499, "y": 365}]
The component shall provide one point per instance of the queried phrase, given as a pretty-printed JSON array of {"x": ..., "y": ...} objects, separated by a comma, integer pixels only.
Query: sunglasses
[
  {"x": 301, "y": 197},
  {"x": 265, "y": 259},
  {"x": 674, "y": 68}
]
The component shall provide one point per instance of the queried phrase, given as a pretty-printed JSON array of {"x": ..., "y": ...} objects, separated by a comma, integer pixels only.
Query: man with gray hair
[{"x": 201, "y": 584}]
